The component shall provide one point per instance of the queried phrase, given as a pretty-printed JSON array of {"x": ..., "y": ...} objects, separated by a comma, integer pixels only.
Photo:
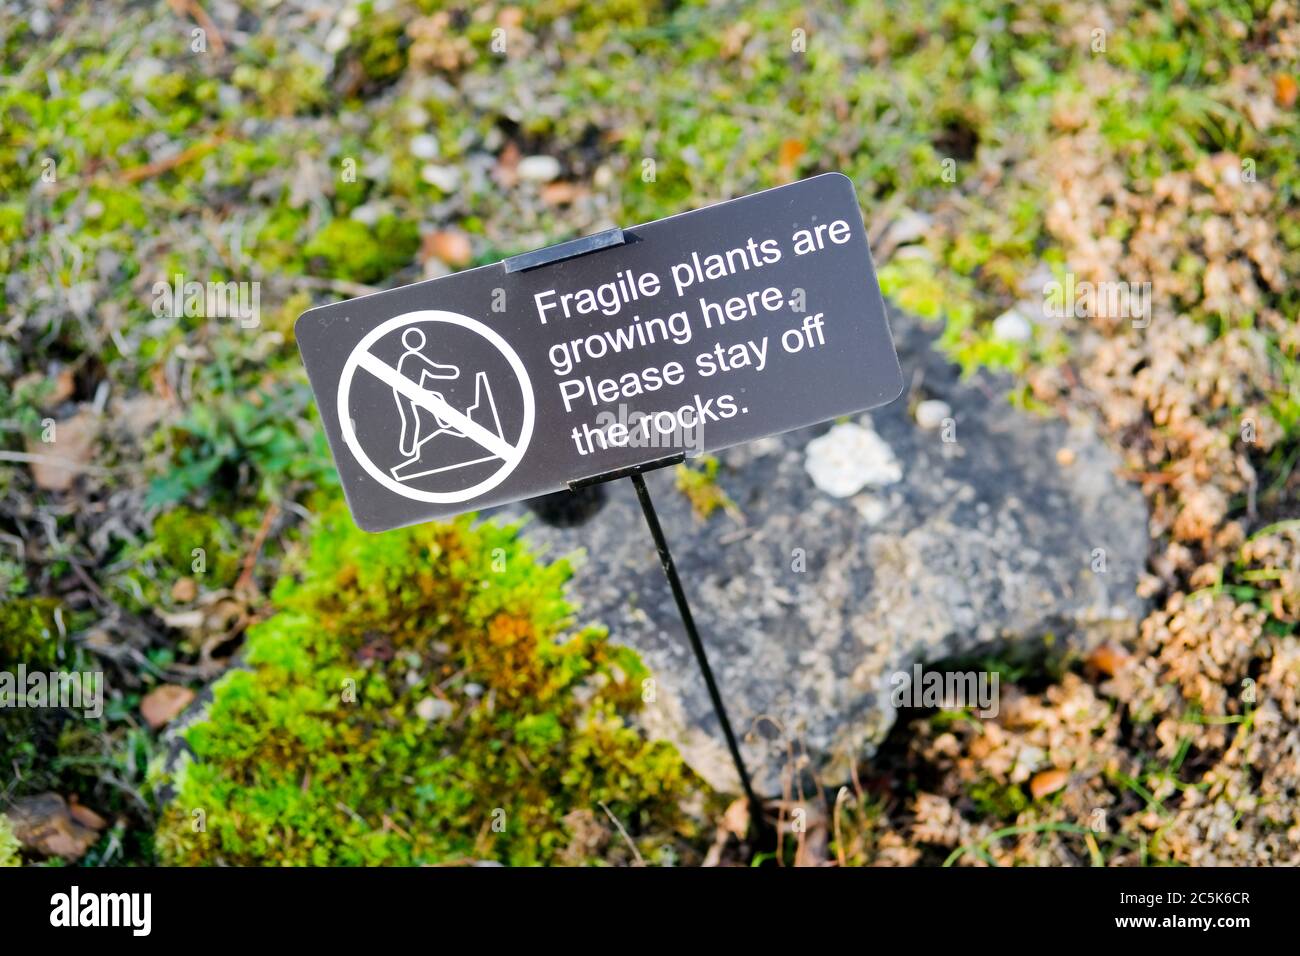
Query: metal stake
[{"x": 679, "y": 595}]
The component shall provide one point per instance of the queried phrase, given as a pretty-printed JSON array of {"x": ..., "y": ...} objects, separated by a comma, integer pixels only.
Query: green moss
[
  {"x": 29, "y": 634},
  {"x": 347, "y": 249},
  {"x": 32, "y": 739},
  {"x": 998, "y": 801},
  {"x": 379, "y": 44},
  {"x": 420, "y": 697},
  {"x": 185, "y": 543},
  {"x": 177, "y": 533},
  {"x": 699, "y": 483},
  {"x": 8, "y": 844},
  {"x": 264, "y": 442}
]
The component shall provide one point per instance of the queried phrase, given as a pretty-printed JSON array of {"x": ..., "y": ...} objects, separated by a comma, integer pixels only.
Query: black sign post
[
  {"x": 605, "y": 357},
  {"x": 684, "y": 609}
]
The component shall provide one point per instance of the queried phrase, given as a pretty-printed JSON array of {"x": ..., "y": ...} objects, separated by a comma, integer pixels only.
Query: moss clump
[
  {"x": 184, "y": 543},
  {"x": 347, "y": 249},
  {"x": 9, "y": 847},
  {"x": 29, "y": 634},
  {"x": 32, "y": 738},
  {"x": 998, "y": 801},
  {"x": 416, "y": 699},
  {"x": 379, "y": 43},
  {"x": 701, "y": 488},
  {"x": 178, "y": 532}
]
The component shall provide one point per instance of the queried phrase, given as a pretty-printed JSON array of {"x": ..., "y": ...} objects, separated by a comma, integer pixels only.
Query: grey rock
[{"x": 986, "y": 543}]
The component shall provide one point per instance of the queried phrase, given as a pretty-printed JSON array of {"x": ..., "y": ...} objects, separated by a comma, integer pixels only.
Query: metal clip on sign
[{"x": 572, "y": 250}]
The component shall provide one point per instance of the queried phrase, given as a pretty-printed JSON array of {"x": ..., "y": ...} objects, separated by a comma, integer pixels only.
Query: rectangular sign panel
[{"x": 688, "y": 334}]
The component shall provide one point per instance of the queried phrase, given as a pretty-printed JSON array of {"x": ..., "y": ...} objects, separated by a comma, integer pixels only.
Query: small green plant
[
  {"x": 40, "y": 747},
  {"x": 699, "y": 483},
  {"x": 857, "y": 821},
  {"x": 202, "y": 545},
  {"x": 420, "y": 697},
  {"x": 346, "y": 249},
  {"x": 997, "y": 801},
  {"x": 234, "y": 443},
  {"x": 29, "y": 633},
  {"x": 8, "y": 844}
]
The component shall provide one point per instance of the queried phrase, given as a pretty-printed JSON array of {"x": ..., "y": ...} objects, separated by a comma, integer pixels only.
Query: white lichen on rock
[{"x": 851, "y": 457}]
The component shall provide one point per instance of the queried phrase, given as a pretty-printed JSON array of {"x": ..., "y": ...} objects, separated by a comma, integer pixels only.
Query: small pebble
[
  {"x": 433, "y": 708},
  {"x": 538, "y": 169},
  {"x": 446, "y": 178},
  {"x": 337, "y": 39},
  {"x": 1012, "y": 326},
  {"x": 1048, "y": 782},
  {"x": 424, "y": 146},
  {"x": 367, "y": 214},
  {"x": 451, "y": 246},
  {"x": 931, "y": 413},
  {"x": 910, "y": 226}
]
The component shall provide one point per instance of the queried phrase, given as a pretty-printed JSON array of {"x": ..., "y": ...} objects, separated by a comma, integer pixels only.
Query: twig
[
  {"x": 67, "y": 464},
  {"x": 835, "y": 823},
  {"x": 160, "y": 166},
  {"x": 1159, "y": 477},
  {"x": 388, "y": 824},
  {"x": 246, "y": 575},
  {"x": 627, "y": 839},
  {"x": 341, "y": 286},
  {"x": 340, "y": 805},
  {"x": 201, "y": 17},
  {"x": 123, "y": 613}
]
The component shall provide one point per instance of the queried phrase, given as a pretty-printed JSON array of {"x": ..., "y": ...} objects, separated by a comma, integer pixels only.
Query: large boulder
[{"x": 861, "y": 549}]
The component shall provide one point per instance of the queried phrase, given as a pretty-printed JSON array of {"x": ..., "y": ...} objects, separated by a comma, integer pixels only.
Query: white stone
[
  {"x": 931, "y": 413},
  {"x": 1012, "y": 326},
  {"x": 367, "y": 214},
  {"x": 538, "y": 169},
  {"x": 433, "y": 708},
  {"x": 337, "y": 39},
  {"x": 145, "y": 72},
  {"x": 446, "y": 178},
  {"x": 850, "y": 457},
  {"x": 424, "y": 146},
  {"x": 910, "y": 226}
]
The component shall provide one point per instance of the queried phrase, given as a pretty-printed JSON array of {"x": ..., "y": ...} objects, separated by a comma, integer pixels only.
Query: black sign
[{"x": 688, "y": 334}]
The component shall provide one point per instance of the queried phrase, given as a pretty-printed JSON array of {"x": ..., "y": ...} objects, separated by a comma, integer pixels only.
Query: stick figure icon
[
  {"x": 417, "y": 367},
  {"x": 440, "y": 417}
]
